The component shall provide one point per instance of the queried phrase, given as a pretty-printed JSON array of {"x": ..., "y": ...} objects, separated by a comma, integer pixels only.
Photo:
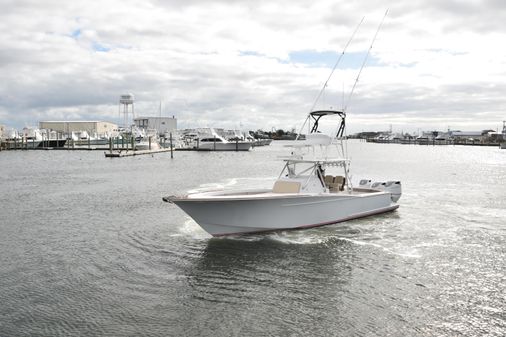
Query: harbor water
[{"x": 88, "y": 248}]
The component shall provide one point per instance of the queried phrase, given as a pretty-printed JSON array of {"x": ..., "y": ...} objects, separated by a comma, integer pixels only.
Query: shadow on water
[{"x": 272, "y": 278}]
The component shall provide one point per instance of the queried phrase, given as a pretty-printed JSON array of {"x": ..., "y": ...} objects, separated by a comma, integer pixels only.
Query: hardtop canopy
[{"x": 316, "y": 115}]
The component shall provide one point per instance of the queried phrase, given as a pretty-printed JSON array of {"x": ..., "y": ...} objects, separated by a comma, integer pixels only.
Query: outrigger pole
[
  {"x": 337, "y": 63},
  {"x": 331, "y": 73},
  {"x": 363, "y": 63},
  {"x": 341, "y": 131}
]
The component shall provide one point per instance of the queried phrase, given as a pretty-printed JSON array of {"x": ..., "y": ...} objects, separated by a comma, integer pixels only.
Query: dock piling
[{"x": 171, "y": 150}]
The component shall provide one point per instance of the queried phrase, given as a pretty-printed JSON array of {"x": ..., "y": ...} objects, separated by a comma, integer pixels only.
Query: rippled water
[{"x": 88, "y": 248}]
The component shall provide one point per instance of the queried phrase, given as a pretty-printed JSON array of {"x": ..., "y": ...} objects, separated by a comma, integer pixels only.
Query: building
[
  {"x": 479, "y": 136},
  {"x": 162, "y": 125},
  {"x": 91, "y": 127}
]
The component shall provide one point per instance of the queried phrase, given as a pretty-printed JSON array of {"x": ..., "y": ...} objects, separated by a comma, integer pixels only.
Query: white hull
[
  {"x": 259, "y": 212},
  {"x": 232, "y": 146},
  {"x": 146, "y": 145}
]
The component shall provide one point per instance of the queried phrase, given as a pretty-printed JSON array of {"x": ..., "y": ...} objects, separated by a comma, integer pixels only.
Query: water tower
[{"x": 126, "y": 100}]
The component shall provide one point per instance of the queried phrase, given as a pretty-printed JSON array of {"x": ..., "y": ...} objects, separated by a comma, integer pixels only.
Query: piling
[{"x": 170, "y": 144}]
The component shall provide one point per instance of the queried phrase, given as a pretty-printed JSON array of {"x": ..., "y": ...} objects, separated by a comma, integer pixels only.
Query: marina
[
  {"x": 87, "y": 241},
  {"x": 283, "y": 169}
]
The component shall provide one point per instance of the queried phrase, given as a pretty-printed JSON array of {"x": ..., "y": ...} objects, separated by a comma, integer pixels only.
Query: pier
[
  {"x": 433, "y": 142},
  {"x": 130, "y": 153}
]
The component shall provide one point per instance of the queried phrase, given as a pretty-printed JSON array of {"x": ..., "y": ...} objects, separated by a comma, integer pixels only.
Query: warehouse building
[{"x": 91, "y": 127}]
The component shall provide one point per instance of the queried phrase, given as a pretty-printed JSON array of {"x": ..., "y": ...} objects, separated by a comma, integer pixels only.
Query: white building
[{"x": 162, "y": 125}]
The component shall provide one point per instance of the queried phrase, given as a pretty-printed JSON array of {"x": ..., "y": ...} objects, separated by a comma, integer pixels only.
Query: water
[{"x": 88, "y": 248}]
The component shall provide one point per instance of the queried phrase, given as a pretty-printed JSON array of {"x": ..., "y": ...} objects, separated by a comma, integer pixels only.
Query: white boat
[
  {"x": 146, "y": 139},
  {"x": 147, "y": 143},
  {"x": 306, "y": 194},
  {"x": 215, "y": 142},
  {"x": 142, "y": 139}
]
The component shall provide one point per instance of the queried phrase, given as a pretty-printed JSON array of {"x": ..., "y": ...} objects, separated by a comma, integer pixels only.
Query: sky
[{"x": 255, "y": 64}]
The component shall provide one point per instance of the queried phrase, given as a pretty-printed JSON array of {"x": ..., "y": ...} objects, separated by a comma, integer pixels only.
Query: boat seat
[
  {"x": 337, "y": 184},
  {"x": 328, "y": 180},
  {"x": 281, "y": 186}
]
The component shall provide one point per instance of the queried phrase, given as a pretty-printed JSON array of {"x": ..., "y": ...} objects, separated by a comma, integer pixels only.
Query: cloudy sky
[{"x": 255, "y": 64}]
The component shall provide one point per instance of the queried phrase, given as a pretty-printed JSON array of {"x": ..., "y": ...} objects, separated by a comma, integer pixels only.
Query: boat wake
[
  {"x": 412, "y": 254},
  {"x": 192, "y": 229},
  {"x": 319, "y": 238}
]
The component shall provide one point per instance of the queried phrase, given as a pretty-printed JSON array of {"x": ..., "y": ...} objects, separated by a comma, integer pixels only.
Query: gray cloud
[{"x": 189, "y": 55}]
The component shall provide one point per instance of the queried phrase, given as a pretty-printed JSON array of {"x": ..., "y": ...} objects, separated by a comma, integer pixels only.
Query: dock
[
  {"x": 130, "y": 153},
  {"x": 432, "y": 142}
]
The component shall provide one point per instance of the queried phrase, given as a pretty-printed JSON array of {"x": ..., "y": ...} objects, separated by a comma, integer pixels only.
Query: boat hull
[
  {"x": 232, "y": 146},
  {"x": 227, "y": 216}
]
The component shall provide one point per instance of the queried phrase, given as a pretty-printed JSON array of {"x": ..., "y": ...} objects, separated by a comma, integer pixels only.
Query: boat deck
[{"x": 268, "y": 193}]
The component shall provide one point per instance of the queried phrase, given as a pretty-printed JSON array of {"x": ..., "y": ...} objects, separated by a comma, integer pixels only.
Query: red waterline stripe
[{"x": 358, "y": 216}]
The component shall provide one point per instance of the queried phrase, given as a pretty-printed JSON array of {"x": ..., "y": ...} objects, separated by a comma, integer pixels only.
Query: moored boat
[{"x": 215, "y": 142}]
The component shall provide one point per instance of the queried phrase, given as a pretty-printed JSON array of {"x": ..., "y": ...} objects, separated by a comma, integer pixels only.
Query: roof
[
  {"x": 75, "y": 122},
  {"x": 466, "y": 133},
  {"x": 326, "y": 113}
]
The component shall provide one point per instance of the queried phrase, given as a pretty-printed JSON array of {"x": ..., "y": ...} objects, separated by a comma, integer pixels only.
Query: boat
[
  {"x": 146, "y": 139},
  {"x": 306, "y": 193},
  {"x": 11, "y": 138},
  {"x": 138, "y": 138},
  {"x": 213, "y": 141},
  {"x": 503, "y": 144},
  {"x": 313, "y": 189}
]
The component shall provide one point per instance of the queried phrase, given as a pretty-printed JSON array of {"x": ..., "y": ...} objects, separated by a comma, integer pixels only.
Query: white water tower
[{"x": 125, "y": 100}]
